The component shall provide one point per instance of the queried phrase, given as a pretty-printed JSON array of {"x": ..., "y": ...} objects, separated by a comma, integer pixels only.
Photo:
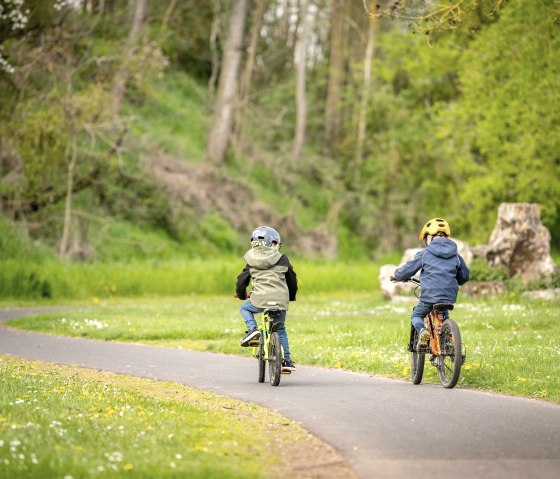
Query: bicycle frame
[
  {"x": 267, "y": 326},
  {"x": 269, "y": 350},
  {"x": 433, "y": 322},
  {"x": 445, "y": 346}
]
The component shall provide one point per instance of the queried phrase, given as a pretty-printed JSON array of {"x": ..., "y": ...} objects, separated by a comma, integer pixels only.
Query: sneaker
[
  {"x": 423, "y": 337},
  {"x": 288, "y": 366},
  {"x": 251, "y": 338}
]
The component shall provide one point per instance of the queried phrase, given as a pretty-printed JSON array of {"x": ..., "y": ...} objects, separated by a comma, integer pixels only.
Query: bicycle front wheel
[
  {"x": 260, "y": 357},
  {"x": 451, "y": 359},
  {"x": 274, "y": 359},
  {"x": 416, "y": 362}
]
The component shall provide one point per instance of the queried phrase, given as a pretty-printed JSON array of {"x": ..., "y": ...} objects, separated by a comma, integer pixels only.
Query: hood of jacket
[
  {"x": 443, "y": 248},
  {"x": 262, "y": 257}
]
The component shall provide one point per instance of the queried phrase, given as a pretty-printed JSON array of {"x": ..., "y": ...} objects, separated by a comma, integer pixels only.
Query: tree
[
  {"x": 336, "y": 68},
  {"x": 301, "y": 65},
  {"x": 220, "y": 132},
  {"x": 121, "y": 77},
  {"x": 504, "y": 131},
  {"x": 368, "y": 57},
  {"x": 248, "y": 70}
]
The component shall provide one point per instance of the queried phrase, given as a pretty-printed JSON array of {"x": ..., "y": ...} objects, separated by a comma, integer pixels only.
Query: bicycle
[
  {"x": 445, "y": 345},
  {"x": 268, "y": 349}
]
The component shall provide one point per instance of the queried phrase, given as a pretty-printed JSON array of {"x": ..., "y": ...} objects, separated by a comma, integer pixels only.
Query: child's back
[{"x": 443, "y": 270}]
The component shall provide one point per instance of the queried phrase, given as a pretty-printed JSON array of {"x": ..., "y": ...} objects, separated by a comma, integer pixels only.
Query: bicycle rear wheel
[
  {"x": 450, "y": 362},
  {"x": 274, "y": 359},
  {"x": 417, "y": 366},
  {"x": 260, "y": 357}
]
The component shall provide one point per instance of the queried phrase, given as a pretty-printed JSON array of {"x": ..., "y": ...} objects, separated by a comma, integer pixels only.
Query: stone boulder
[
  {"x": 520, "y": 242},
  {"x": 484, "y": 288}
]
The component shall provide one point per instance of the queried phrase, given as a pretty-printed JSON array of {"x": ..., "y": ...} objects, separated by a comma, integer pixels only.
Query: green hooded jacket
[{"x": 274, "y": 281}]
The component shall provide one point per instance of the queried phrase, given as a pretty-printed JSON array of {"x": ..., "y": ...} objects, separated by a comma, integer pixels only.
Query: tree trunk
[
  {"x": 336, "y": 67},
  {"x": 301, "y": 103},
  {"x": 220, "y": 132},
  {"x": 362, "y": 123},
  {"x": 168, "y": 13},
  {"x": 247, "y": 75},
  {"x": 215, "y": 60},
  {"x": 73, "y": 153},
  {"x": 121, "y": 77}
]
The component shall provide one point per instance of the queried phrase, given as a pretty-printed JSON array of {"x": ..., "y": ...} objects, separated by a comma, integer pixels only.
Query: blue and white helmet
[{"x": 265, "y": 235}]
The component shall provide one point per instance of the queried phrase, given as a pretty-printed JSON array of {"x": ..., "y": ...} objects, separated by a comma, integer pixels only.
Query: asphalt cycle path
[{"x": 385, "y": 428}]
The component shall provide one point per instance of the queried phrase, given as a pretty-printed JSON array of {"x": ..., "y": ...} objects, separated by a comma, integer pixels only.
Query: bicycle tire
[
  {"x": 262, "y": 362},
  {"x": 416, "y": 362},
  {"x": 274, "y": 359},
  {"x": 450, "y": 361}
]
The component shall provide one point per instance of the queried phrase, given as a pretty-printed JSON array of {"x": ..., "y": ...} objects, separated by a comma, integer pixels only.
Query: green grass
[
  {"x": 174, "y": 116},
  {"x": 57, "y": 281},
  {"x": 60, "y": 422},
  {"x": 512, "y": 346}
]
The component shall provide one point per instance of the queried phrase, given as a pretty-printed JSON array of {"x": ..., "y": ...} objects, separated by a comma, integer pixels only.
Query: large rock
[{"x": 520, "y": 242}]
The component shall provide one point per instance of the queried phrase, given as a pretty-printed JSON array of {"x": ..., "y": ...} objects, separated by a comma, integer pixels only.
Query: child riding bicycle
[
  {"x": 274, "y": 284},
  {"x": 442, "y": 271}
]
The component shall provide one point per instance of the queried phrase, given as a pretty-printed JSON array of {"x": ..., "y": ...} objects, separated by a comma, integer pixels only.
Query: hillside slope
[{"x": 204, "y": 190}]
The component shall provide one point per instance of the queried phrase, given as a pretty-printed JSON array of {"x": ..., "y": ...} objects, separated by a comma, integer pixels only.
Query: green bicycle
[{"x": 268, "y": 349}]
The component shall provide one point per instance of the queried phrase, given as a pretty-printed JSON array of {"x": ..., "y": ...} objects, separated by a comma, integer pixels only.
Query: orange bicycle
[{"x": 444, "y": 347}]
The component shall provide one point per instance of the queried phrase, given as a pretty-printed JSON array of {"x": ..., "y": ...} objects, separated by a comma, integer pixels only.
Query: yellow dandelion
[{"x": 128, "y": 467}]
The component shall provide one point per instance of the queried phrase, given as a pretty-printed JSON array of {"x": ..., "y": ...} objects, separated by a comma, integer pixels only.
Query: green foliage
[
  {"x": 219, "y": 233},
  {"x": 503, "y": 132},
  {"x": 165, "y": 271},
  {"x": 481, "y": 271},
  {"x": 16, "y": 243},
  {"x": 173, "y": 116}
]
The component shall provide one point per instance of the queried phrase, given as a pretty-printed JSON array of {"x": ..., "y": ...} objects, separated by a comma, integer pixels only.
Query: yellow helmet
[{"x": 434, "y": 226}]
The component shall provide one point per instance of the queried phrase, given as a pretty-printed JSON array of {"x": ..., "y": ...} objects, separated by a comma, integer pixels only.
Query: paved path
[{"x": 385, "y": 428}]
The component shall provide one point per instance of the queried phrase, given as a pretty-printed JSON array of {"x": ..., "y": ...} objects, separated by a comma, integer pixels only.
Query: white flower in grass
[{"x": 114, "y": 456}]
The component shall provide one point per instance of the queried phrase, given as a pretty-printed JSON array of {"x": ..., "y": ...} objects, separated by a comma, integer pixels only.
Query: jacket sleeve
[
  {"x": 409, "y": 269},
  {"x": 291, "y": 277},
  {"x": 242, "y": 282},
  {"x": 462, "y": 272}
]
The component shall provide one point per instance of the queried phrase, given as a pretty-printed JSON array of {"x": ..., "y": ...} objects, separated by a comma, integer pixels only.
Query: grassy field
[
  {"x": 65, "y": 422},
  {"x": 55, "y": 281},
  {"x": 512, "y": 346}
]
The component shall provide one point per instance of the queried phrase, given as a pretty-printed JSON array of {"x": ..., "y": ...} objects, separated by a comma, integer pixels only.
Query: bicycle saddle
[
  {"x": 443, "y": 307},
  {"x": 273, "y": 312}
]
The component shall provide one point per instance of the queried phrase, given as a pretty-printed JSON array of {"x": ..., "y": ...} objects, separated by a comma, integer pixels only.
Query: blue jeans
[
  {"x": 419, "y": 313},
  {"x": 248, "y": 310}
]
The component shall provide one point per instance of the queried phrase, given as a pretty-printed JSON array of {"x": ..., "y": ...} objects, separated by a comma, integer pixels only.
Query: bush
[{"x": 482, "y": 271}]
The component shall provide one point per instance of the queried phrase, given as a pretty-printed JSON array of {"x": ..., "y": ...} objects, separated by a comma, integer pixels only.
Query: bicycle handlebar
[{"x": 411, "y": 280}]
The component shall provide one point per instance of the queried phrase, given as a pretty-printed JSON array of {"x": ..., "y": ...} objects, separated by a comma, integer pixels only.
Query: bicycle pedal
[{"x": 286, "y": 372}]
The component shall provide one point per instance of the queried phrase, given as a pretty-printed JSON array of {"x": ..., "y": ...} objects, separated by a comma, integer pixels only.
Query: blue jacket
[{"x": 443, "y": 270}]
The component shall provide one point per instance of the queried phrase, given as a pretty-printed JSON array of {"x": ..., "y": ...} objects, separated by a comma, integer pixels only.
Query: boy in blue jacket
[{"x": 442, "y": 271}]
